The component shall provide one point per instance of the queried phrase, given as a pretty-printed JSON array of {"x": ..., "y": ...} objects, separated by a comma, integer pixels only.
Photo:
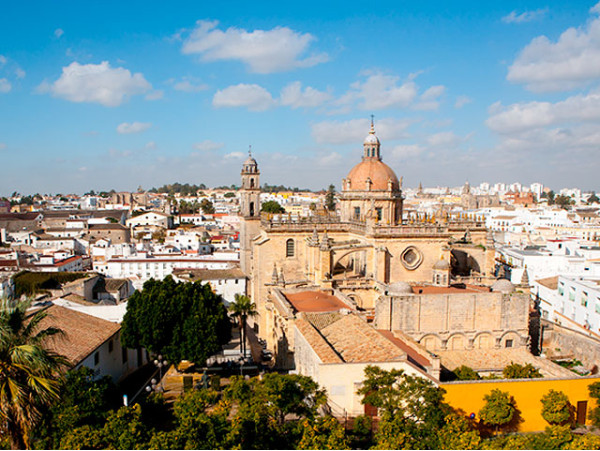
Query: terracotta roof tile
[
  {"x": 82, "y": 333},
  {"x": 314, "y": 301}
]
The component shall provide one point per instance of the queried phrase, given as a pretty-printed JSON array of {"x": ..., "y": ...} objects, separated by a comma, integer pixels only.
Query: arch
[
  {"x": 431, "y": 342},
  {"x": 484, "y": 340},
  {"x": 510, "y": 339},
  {"x": 457, "y": 342},
  {"x": 352, "y": 263},
  {"x": 251, "y": 208},
  {"x": 290, "y": 248},
  {"x": 251, "y": 182},
  {"x": 356, "y": 298}
]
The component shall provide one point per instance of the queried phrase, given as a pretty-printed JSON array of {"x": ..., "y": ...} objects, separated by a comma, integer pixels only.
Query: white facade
[
  {"x": 139, "y": 270},
  {"x": 575, "y": 300}
]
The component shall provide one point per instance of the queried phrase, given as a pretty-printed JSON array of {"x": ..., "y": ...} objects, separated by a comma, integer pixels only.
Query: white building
[
  {"x": 140, "y": 270},
  {"x": 570, "y": 301},
  {"x": 224, "y": 282}
]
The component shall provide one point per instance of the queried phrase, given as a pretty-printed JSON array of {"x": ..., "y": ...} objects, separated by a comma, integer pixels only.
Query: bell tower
[{"x": 249, "y": 211}]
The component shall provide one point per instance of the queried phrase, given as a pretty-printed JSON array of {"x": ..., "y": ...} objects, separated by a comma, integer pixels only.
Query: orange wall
[{"x": 468, "y": 396}]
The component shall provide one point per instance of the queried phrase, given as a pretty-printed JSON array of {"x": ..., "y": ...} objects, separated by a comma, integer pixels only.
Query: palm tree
[
  {"x": 242, "y": 308},
  {"x": 29, "y": 372}
]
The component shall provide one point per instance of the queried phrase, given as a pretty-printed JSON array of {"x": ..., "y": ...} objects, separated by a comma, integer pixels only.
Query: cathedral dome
[
  {"x": 371, "y": 138},
  {"x": 400, "y": 288},
  {"x": 503, "y": 286},
  {"x": 377, "y": 171}
]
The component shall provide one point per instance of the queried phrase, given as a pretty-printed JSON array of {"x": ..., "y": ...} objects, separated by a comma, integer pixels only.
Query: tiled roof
[
  {"x": 356, "y": 341},
  {"x": 321, "y": 320},
  {"x": 209, "y": 274},
  {"x": 314, "y": 301},
  {"x": 549, "y": 282},
  {"x": 317, "y": 342},
  {"x": 82, "y": 333}
]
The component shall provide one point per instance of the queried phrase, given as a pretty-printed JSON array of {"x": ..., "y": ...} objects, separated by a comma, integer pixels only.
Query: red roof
[{"x": 314, "y": 301}]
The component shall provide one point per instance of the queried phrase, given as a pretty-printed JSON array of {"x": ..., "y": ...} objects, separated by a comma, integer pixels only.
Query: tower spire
[{"x": 372, "y": 124}]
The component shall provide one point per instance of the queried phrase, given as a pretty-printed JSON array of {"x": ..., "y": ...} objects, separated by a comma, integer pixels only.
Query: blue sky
[{"x": 101, "y": 95}]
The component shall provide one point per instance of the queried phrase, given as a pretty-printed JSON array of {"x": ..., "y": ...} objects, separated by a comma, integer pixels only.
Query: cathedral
[{"x": 367, "y": 249}]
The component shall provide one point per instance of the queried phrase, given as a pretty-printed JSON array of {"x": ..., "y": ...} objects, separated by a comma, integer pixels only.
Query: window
[
  {"x": 379, "y": 211},
  {"x": 110, "y": 346},
  {"x": 289, "y": 248},
  {"x": 508, "y": 344},
  {"x": 561, "y": 289},
  {"x": 251, "y": 208},
  {"x": 584, "y": 299},
  {"x": 572, "y": 294},
  {"x": 96, "y": 358},
  {"x": 357, "y": 213}
]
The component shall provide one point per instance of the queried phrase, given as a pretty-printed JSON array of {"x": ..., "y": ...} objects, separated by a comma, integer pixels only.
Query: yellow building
[{"x": 527, "y": 393}]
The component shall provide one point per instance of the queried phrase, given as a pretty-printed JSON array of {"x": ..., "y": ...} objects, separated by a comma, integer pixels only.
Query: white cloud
[
  {"x": 462, "y": 101},
  {"x": 520, "y": 117},
  {"x": 444, "y": 139},
  {"x": 135, "y": 127},
  {"x": 329, "y": 159},
  {"x": 526, "y": 16},
  {"x": 208, "y": 145},
  {"x": 292, "y": 95},
  {"x": 429, "y": 100},
  {"x": 59, "y": 32},
  {"x": 2, "y": 60},
  {"x": 20, "y": 73},
  {"x": 355, "y": 130},
  {"x": 595, "y": 9},
  {"x": 406, "y": 151},
  {"x": 572, "y": 61},
  {"x": 187, "y": 85},
  {"x": 234, "y": 156},
  {"x": 97, "y": 83},
  {"x": 381, "y": 91},
  {"x": 156, "y": 94},
  {"x": 253, "y": 97},
  {"x": 5, "y": 86},
  {"x": 264, "y": 51},
  {"x": 150, "y": 145}
]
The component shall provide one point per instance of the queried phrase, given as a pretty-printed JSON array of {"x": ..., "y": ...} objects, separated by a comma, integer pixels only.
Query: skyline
[{"x": 149, "y": 95}]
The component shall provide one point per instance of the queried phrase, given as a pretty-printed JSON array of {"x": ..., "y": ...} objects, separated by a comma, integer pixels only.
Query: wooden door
[{"x": 581, "y": 412}]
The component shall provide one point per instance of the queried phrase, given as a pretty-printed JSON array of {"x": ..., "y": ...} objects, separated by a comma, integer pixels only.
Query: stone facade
[{"x": 454, "y": 321}]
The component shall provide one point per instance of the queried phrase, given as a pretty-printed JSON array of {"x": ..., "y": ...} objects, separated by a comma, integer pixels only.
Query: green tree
[
  {"x": 29, "y": 371},
  {"x": 517, "y": 371},
  {"x": 263, "y": 405},
  {"x": 465, "y": 373},
  {"x": 458, "y": 432},
  {"x": 330, "y": 198},
  {"x": 228, "y": 195},
  {"x": 207, "y": 206},
  {"x": 550, "y": 196},
  {"x": 593, "y": 199},
  {"x": 323, "y": 433},
  {"x": 556, "y": 408},
  {"x": 412, "y": 408},
  {"x": 563, "y": 202},
  {"x": 272, "y": 206},
  {"x": 499, "y": 409},
  {"x": 178, "y": 320},
  {"x": 594, "y": 390},
  {"x": 83, "y": 401},
  {"x": 242, "y": 309}
]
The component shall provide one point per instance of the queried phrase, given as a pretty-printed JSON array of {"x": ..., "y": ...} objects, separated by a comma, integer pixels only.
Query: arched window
[
  {"x": 251, "y": 208},
  {"x": 251, "y": 183},
  {"x": 289, "y": 248}
]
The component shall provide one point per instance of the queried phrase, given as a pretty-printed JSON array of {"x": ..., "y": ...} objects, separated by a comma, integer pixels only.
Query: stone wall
[
  {"x": 562, "y": 342},
  {"x": 457, "y": 320}
]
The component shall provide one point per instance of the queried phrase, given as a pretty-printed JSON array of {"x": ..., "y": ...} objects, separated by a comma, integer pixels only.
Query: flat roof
[
  {"x": 314, "y": 301},
  {"x": 429, "y": 289}
]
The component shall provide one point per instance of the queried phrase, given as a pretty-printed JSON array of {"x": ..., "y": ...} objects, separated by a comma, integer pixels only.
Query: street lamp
[
  {"x": 153, "y": 386},
  {"x": 242, "y": 361},
  {"x": 160, "y": 363}
]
